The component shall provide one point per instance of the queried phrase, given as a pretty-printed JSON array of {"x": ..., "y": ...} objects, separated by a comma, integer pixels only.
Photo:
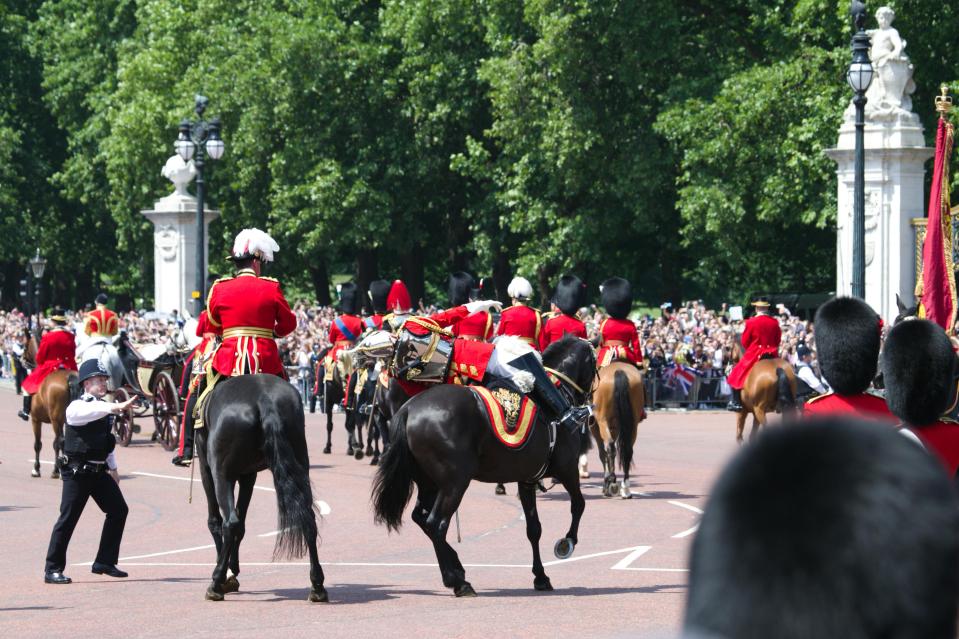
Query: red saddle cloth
[{"x": 511, "y": 414}]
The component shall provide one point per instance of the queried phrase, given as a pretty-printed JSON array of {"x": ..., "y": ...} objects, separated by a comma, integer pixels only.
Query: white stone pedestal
[
  {"x": 895, "y": 154},
  {"x": 174, "y": 251}
]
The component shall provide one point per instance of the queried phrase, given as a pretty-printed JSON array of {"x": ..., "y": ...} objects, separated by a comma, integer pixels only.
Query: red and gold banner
[{"x": 938, "y": 295}]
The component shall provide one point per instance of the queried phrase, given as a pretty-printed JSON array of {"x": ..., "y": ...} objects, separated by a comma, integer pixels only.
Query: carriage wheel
[
  {"x": 166, "y": 412},
  {"x": 123, "y": 423}
]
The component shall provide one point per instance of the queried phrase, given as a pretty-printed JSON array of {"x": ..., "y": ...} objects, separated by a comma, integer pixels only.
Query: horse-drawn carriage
[{"x": 152, "y": 373}]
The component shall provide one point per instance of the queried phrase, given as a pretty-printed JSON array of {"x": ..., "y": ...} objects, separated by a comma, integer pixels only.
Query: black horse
[
  {"x": 255, "y": 422},
  {"x": 442, "y": 440}
]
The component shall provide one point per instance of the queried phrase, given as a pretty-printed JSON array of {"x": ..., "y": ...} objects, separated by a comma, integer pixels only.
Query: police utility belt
[{"x": 79, "y": 467}]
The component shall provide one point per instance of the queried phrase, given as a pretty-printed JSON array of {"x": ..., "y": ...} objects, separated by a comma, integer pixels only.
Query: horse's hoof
[
  {"x": 349, "y": 451},
  {"x": 232, "y": 584},
  {"x": 327, "y": 450},
  {"x": 55, "y": 474},
  {"x": 213, "y": 595},
  {"x": 34, "y": 473},
  {"x": 358, "y": 453},
  {"x": 564, "y": 548},
  {"x": 626, "y": 495},
  {"x": 369, "y": 449},
  {"x": 464, "y": 590},
  {"x": 543, "y": 584},
  {"x": 375, "y": 461},
  {"x": 500, "y": 489},
  {"x": 318, "y": 595}
]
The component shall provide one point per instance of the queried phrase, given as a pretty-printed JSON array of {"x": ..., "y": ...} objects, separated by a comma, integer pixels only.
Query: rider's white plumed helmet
[
  {"x": 520, "y": 289},
  {"x": 254, "y": 243}
]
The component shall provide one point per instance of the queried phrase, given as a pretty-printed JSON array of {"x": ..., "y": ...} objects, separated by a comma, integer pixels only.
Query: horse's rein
[{"x": 566, "y": 379}]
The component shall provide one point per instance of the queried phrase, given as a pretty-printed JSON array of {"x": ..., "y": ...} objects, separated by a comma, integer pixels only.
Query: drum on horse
[
  {"x": 619, "y": 400},
  {"x": 770, "y": 388},
  {"x": 50, "y": 407},
  {"x": 442, "y": 440},
  {"x": 255, "y": 422}
]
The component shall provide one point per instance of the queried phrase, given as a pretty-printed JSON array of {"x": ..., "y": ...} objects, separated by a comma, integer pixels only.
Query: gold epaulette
[
  {"x": 269, "y": 279},
  {"x": 818, "y": 397},
  {"x": 948, "y": 420}
]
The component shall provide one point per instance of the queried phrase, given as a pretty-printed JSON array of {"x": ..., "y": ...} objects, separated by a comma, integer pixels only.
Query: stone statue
[
  {"x": 888, "y": 97},
  {"x": 179, "y": 172}
]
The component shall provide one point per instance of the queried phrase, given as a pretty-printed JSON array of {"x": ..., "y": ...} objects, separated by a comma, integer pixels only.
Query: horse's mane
[{"x": 569, "y": 354}]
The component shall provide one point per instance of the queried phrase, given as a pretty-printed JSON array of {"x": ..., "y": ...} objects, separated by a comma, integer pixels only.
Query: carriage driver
[
  {"x": 761, "y": 338},
  {"x": 89, "y": 469},
  {"x": 250, "y": 309}
]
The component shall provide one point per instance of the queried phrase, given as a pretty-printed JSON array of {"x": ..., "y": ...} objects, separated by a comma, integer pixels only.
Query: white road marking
[
  {"x": 196, "y": 480},
  {"x": 624, "y": 563},
  {"x": 324, "y": 507},
  {"x": 686, "y": 533},
  {"x": 154, "y": 554},
  {"x": 632, "y": 550},
  {"x": 686, "y": 506}
]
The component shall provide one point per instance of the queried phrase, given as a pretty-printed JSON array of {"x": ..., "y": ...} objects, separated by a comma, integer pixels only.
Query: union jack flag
[{"x": 679, "y": 376}]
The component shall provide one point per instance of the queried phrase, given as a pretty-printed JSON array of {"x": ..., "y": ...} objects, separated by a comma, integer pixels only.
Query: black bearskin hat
[
  {"x": 570, "y": 294},
  {"x": 379, "y": 291},
  {"x": 482, "y": 284},
  {"x": 847, "y": 344},
  {"x": 919, "y": 371},
  {"x": 349, "y": 303},
  {"x": 617, "y": 296},
  {"x": 461, "y": 284}
]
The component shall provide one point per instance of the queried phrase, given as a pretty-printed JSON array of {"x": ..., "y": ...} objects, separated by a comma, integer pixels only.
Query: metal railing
[{"x": 706, "y": 392}]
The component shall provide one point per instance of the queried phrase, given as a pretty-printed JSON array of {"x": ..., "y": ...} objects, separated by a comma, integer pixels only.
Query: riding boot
[
  {"x": 735, "y": 402},
  {"x": 24, "y": 414},
  {"x": 548, "y": 396}
]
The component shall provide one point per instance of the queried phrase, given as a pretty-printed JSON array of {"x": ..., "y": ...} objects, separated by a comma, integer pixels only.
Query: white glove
[{"x": 484, "y": 305}]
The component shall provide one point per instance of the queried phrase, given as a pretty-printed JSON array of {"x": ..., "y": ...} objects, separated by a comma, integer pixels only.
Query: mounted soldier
[
  {"x": 569, "y": 297},
  {"x": 101, "y": 326},
  {"x": 346, "y": 328},
  {"x": 520, "y": 319},
  {"x": 400, "y": 305},
  {"x": 848, "y": 337},
  {"x": 57, "y": 350},
  {"x": 250, "y": 310},
  {"x": 478, "y": 326},
  {"x": 761, "y": 338},
  {"x": 379, "y": 291},
  {"x": 619, "y": 339}
]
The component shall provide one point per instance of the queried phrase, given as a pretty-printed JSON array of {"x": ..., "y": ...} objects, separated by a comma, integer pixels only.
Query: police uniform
[
  {"x": 847, "y": 346},
  {"x": 88, "y": 453},
  {"x": 569, "y": 297},
  {"x": 618, "y": 337},
  {"x": 57, "y": 350},
  {"x": 921, "y": 371}
]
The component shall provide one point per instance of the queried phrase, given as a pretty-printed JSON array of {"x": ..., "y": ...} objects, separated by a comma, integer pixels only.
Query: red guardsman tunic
[
  {"x": 251, "y": 311},
  {"x": 942, "y": 438},
  {"x": 58, "y": 349},
  {"x": 373, "y": 322},
  {"x": 559, "y": 325},
  {"x": 619, "y": 340},
  {"x": 346, "y": 336},
  {"x": 477, "y": 327},
  {"x": 861, "y": 405},
  {"x": 101, "y": 322},
  {"x": 523, "y": 322},
  {"x": 761, "y": 337}
]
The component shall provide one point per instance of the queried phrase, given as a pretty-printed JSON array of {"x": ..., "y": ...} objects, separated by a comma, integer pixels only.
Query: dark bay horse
[
  {"x": 620, "y": 400},
  {"x": 50, "y": 407},
  {"x": 441, "y": 440},
  {"x": 255, "y": 422}
]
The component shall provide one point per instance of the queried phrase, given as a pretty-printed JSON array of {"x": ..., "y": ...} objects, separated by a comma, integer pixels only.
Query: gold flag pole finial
[{"x": 944, "y": 101}]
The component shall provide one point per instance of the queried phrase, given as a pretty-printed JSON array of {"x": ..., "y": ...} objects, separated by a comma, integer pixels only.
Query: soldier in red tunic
[
  {"x": 379, "y": 292},
  {"x": 848, "y": 336},
  {"x": 921, "y": 371},
  {"x": 619, "y": 339},
  {"x": 250, "y": 310},
  {"x": 520, "y": 319},
  {"x": 58, "y": 349},
  {"x": 478, "y": 326},
  {"x": 569, "y": 297},
  {"x": 400, "y": 305},
  {"x": 347, "y": 327},
  {"x": 760, "y": 340},
  {"x": 101, "y": 322}
]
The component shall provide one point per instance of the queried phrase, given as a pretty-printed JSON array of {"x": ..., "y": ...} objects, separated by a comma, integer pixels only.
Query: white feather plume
[
  {"x": 253, "y": 242},
  {"x": 520, "y": 289}
]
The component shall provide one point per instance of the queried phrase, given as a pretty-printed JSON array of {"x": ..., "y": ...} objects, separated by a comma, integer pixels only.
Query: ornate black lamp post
[
  {"x": 859, "y": 77},
  {"x": 37, "y": 266},
  {"x": 200, "y": 138}
]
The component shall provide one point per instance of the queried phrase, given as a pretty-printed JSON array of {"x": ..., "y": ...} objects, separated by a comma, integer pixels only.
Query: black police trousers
[{"x": 76, "y": 491}]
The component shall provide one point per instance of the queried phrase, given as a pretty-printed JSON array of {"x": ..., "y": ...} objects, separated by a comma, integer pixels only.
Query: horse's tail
[
  {"x": 291, "y": 477},
  {"x": 393, "y": 484},
  {"x": 624, "y": 418},
  {"x": 784, "y": 393}
]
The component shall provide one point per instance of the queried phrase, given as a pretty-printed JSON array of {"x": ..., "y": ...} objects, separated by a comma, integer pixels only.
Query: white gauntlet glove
[{"x": 484, "y": 305}]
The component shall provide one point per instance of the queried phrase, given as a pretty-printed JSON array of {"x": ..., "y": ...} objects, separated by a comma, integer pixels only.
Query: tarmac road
[{"x": 627, "y": 577}]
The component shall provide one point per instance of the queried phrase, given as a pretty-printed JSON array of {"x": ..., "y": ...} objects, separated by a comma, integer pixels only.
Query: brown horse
[
  {"x": 770, "y": 388},
  {"x": 50, "y": 407},
  {"x": 619, "y": 399}
]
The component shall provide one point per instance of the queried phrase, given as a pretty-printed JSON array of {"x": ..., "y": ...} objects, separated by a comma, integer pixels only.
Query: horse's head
[{"x": 574, "y": 358}]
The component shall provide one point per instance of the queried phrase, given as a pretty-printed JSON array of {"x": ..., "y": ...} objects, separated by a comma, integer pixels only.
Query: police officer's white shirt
[
  {"x": 807, "y": 375},
  {"x": 88, "y": 408}
]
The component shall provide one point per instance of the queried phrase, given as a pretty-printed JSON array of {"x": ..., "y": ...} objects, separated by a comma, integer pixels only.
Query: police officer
[{"x": 88, "y": 468}]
